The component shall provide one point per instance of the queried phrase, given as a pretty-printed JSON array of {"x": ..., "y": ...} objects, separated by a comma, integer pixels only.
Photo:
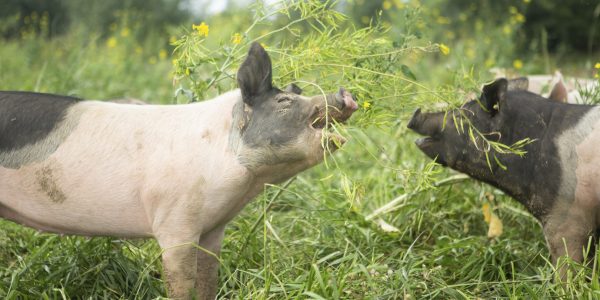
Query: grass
[{"x": 309, "y": 238}]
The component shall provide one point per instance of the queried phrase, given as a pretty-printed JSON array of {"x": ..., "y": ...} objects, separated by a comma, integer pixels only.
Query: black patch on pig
[
  {"x": 292, "y": 88},
  {"x": 277, "y": 121},
  {"x": 272, "y": 118},
  {"x": 26, "y": 117},
  {"x": 492, "y": 94},
  {"x": 508, "y": 116},
  {"x": 255, "y": 76},
  {"x": 534, "y": 180}
]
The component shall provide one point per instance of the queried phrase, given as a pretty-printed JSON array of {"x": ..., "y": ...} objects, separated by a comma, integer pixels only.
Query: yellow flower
[
  {"x": 519, "y": 18},
  {"x": 174, "y": 62},
  {"x": 111, "y": 42},
  {"x": 597, "y": 65},
  {"x": 506, "y": 29},
  {"x": 444, "y": 49},
  {"x": 202, "y": 29},
  {"x": 487, "y": 213},
  {"x": 495, "y": 229},
  {"x": 366, "y": 105},
  {"x": 442, "y": 20},
  {"x": 596, "y": 75},
  {"x": 162, "y": 54},
  {"x": 387, "y": 5},
  {"x": 470, "y": 52},
  {"x": 152, "y": 60},
  {"x": 526, "y": 1},
  {"x": 236, "y": 39},
  {"x": 399, "y": 4},
  {"x": 125, "y": 32},
  {"x": 172, "y": 40},
  {"x": 187, "y": 71},
  {"x": 518, "y": 64}
]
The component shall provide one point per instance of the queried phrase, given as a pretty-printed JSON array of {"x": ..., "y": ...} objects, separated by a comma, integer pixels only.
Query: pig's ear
[
  {"x": 493, "y": 94},
  {"x": 559, "y": 92},
  {"x": 518, "y": 84},
  {"x": 255, "y": 74},
  {"x": 292, "y": 88}
]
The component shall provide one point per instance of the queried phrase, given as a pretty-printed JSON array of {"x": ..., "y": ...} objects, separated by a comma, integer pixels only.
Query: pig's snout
[
  {"x": 416, "y": 118},
  {"x": 345, "y": 101},
  {"x": 339, "y": 107},
  {"x": 428, "y": 124}
]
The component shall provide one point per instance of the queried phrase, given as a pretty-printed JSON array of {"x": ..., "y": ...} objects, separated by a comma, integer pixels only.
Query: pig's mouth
[
  {"x": 428, "y": 126},
  {"x": 424, "y": 142},
  {"x": 338, "y": 108}
]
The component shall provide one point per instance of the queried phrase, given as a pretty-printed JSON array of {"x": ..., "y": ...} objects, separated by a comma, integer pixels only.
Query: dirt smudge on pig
[{"x": 47, "y": 181}]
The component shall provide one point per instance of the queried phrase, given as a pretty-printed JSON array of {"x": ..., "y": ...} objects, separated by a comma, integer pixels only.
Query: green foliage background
[{"x": 317, "y": 236}]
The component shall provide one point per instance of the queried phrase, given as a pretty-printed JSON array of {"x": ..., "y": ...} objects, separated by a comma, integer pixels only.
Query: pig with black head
[
  {"x": 558, "y": 178},
  {"x": 178, "y": 173}
]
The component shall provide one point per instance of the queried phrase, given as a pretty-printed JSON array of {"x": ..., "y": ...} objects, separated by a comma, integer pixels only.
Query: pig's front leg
[
  {"x": 179, "y": 265},
  {"x": 208, "y": 263},
  {"x": 568, "y": 233},
  {"x": 177, "y": 230}
]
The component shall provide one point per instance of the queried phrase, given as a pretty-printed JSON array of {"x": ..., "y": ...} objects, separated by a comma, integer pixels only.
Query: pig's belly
[{"x": 70, "y": 200}]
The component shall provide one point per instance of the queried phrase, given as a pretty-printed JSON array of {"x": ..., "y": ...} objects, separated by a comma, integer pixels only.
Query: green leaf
[{"x": 407, "y": 72}]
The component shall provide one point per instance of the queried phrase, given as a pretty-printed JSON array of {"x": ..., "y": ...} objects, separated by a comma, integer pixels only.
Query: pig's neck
[
  {"x": 231, "y": 184},
  {"x": 546, "y": 175}
]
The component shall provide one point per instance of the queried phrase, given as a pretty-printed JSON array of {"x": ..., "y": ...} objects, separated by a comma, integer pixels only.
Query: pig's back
[
  {"x": 29, "y": 118},
  {"x": 88, "y": 174}
]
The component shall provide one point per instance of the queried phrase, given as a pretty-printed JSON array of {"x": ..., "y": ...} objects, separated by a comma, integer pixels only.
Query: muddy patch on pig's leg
[
  {"x": 568, "y": 232},
  {"x": 208, "y": 263},
  {"x": 47, "y": 182},
  {"x": 177, "y": 241}
]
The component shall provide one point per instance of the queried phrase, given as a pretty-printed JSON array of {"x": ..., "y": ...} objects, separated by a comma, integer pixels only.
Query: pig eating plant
[
  {"x": 558, "y": 178},
  {"x": 176, "y": 173}
]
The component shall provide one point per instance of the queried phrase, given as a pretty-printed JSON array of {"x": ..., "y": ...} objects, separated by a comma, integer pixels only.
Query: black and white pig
[
  {"x": 177, "y": 173},
  {"x": 558, "y": 180}
]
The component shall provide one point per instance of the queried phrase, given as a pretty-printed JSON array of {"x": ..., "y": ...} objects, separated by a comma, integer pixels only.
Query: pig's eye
[{"x": 284, "y": 100}]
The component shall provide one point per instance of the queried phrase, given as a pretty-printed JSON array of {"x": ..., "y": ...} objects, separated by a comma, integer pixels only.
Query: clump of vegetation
[{"x": 312, "y": 45}]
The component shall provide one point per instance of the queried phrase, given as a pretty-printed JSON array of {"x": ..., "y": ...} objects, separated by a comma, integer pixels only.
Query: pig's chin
[
  {"x": 330, "y": 142},
  {"x": 428, "y": 145}
]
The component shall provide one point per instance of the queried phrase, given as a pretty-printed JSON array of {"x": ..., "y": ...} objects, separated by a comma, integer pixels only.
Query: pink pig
[{"x": 177, "y": 173}]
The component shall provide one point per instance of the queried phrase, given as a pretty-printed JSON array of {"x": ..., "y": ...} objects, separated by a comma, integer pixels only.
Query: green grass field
[{"x": 313, "y": 237}]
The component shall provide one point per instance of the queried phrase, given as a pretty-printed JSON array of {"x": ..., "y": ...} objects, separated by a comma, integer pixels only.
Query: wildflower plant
[
  {"x": 316, "y": 47},
  {"x": 312, "y": 45}
]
